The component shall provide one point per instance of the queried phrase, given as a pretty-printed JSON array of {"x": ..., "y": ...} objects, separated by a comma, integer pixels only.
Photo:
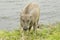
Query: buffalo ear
[{"x": 21, "y": 17}]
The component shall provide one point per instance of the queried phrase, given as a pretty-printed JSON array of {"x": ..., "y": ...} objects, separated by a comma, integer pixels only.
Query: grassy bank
[{"x": 45, "y": 32}]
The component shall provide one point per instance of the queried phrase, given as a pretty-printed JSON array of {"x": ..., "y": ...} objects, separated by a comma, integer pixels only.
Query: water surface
[{"x": 10, "y": 11}]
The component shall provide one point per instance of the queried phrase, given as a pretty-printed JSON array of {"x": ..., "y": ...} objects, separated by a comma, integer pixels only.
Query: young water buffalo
[{"x": 29, "y": 16}]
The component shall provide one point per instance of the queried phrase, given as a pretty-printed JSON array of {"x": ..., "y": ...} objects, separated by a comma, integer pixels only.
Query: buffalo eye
[
  {"x": 27, "y": 20},
  {"x": 23, "y": 20}
]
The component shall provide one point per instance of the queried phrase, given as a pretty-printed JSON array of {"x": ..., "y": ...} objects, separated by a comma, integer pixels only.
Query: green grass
[{"x": 45, "y": 32}]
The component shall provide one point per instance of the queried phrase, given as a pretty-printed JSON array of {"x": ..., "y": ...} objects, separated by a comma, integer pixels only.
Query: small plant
[{"x": 46, "y": 32}]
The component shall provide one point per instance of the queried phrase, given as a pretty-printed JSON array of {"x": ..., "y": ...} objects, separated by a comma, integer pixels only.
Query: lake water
[{"x": 10, "y": 11}]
